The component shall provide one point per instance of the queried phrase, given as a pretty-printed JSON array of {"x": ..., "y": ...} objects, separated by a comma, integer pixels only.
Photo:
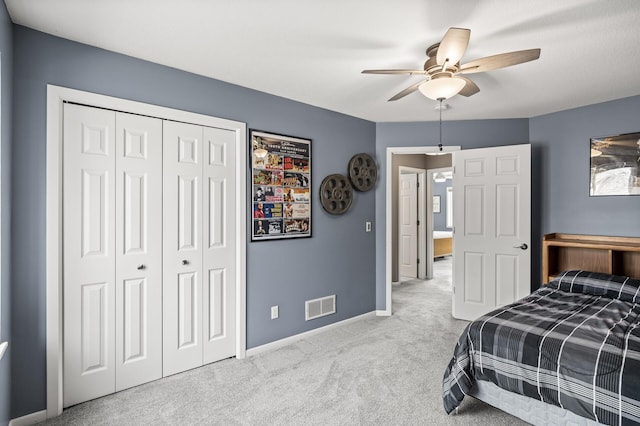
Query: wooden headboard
[{"x": 611, "y": 255}]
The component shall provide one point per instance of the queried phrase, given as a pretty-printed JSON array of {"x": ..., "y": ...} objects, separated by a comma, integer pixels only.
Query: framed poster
[
  {"x": 436, "y": 204},
  {"x": 281, "y": 186},
  {"x": 615, "y": 165}
]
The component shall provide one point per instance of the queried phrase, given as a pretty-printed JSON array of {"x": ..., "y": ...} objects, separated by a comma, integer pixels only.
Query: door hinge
[
  {"x": 417, "y": 184},
  {"x": 418, "y": 222},
  {"x": 418, "y": 261}
]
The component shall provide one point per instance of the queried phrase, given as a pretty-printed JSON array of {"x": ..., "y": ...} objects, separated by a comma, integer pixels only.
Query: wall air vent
[{"x": 317, "y": 308}]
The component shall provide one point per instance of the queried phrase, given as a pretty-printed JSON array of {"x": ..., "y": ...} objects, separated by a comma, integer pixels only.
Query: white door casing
[
  {"x": 182, "y": 251},
  {"x": 492, "y": 227},
  {"x": 138, "y": 148},
  {"x": 408, "y": 225},
  {"x": 89, "y": 253}
]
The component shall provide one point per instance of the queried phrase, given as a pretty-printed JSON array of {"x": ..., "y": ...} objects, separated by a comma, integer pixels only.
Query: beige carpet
[{"x": 377, "y": 371}]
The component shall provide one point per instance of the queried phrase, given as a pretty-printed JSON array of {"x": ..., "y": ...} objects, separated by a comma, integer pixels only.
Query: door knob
[
  {"x": 185, "y": 262},
  {"x": 522, "y": 246},
  {"x": 141, "y": 267}
]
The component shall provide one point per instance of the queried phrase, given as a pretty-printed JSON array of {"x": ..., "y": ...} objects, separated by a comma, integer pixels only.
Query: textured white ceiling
[{"x": 313, "y": 51}]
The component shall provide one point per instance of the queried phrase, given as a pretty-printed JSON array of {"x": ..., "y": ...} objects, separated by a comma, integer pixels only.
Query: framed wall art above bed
[
  {"x": 281, "y": 185},
  {"x": 615, "y": 165}
]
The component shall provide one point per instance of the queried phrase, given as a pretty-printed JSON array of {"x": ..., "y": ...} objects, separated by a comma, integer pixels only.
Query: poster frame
[{"x": 281, "y": 183}]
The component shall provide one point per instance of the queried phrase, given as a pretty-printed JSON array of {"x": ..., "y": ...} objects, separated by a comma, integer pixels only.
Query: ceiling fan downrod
[{"x": 440, "y": 144}]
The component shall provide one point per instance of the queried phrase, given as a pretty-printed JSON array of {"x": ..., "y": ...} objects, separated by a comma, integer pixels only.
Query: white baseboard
[
  {"x": 383, "y": 313},
  {"x": 291, "y": 339},
  {"x": 30, "y": 419}
]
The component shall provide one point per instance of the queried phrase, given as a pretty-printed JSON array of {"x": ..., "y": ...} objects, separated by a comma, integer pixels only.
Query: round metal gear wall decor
[
  {"x": 336, "y": 194},
  {"x": 363, "y": 172}
]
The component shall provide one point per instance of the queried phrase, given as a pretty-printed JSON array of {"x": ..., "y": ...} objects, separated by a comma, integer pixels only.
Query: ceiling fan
[{"x": 443, "y": 69}]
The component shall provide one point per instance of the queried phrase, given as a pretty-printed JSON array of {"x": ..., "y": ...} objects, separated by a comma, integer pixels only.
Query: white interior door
[
  {"x": 182, "y": 251},
  {"x": 89, "y": 253},
  {"x": 112, "y": 251},
  {"x": 138, "y": 148},
  {"x": 408, "y": 223},
  {"x": 219, "y": 200},
  {"x": 492, "y": 228}
]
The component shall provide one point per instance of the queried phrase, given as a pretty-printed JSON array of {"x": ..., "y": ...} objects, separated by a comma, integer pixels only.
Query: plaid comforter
[{"x": 574, "y": 343}]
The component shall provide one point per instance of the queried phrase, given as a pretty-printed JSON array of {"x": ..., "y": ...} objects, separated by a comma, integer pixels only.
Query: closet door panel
[
  {"x": 182, "y": 246},
  {"x": 219, "y": 292},
  {"x": 138, "y": 249},
  {"x": 88, "y": 253}
]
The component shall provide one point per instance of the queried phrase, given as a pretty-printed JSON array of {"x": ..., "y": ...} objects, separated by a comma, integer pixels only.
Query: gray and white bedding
[{"x": 574, "y": 343}]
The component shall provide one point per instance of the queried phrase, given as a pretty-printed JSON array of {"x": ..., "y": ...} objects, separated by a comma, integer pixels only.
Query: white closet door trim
[{"x": 56, "y": 96}]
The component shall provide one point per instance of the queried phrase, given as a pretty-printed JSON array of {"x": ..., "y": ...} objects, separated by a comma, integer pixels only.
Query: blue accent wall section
[
  {"x": 6, "y": 89},
  {"x": 466, "y": 134},
  {"x": 562, "y": 141},
  {"x": 337, "y": 259}
]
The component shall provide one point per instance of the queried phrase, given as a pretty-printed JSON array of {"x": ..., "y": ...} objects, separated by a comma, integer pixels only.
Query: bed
[
  {"x": 442, "y": 243},
  {"x": 569, "y": 353}
]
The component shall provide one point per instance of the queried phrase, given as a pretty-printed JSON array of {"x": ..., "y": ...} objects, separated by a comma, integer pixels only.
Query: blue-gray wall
[
  {"x": 440, "y": 219},
  {"x": 562, "y": 141},
  {"x": 6, "y": 69},
  {"x": 337, "y": 260},
  {"x": 467, "y": 134}
]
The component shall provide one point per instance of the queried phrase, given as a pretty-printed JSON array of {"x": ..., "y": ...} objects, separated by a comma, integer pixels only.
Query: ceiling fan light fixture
[
  {"x": 439, "y": 177},
  {"x": 442, "y": 87}
]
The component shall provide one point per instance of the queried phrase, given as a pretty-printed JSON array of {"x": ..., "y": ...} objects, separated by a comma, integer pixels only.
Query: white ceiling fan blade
[
  {"x": 470, "y": 88},
  {"x": 407, "y": 91},
  {"x": 501, "y": 60},
  {"x": 453, "y": 45},
  {"x": 401, "y": 71}
]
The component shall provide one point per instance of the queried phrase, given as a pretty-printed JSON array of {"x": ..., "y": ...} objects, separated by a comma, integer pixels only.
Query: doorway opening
[
  {"x": 492, "y": 223},
  {"x": 416, "y": 157}
]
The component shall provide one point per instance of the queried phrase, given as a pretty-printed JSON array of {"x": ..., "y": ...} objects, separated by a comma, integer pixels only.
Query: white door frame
[
  {"x": 56, "y": 96},
  {"x": 391, "y": 151},
  {"x": 429, "y": 231},
  {"x": 421, "y": 216}
]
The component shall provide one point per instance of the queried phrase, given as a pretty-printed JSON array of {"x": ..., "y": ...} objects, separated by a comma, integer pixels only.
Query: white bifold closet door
[
  {"x": 112, "y": 240},
  {"x": 149, "y": 256},
  {"x": 198, "y": 259}
]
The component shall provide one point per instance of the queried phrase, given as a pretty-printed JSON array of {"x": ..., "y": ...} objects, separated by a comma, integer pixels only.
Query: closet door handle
[
  {"x": 141, "y": 267},
  {"x": 185, "y": 262},
  {"x": 522, "y": 246}
]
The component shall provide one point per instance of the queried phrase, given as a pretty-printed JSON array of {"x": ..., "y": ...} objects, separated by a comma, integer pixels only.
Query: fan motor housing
[{"x": 431, "y": 65}]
